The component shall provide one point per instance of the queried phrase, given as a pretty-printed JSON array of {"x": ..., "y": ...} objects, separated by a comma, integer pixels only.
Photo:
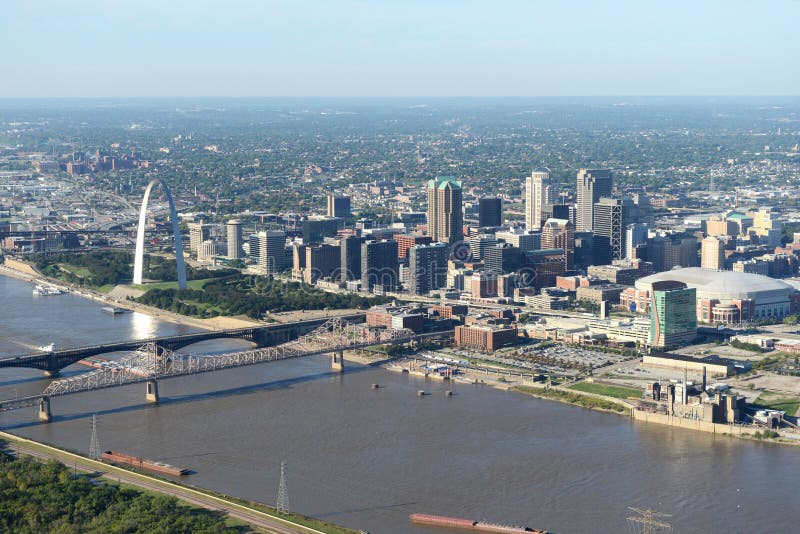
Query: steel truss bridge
[{"x": 150, "y": 362}]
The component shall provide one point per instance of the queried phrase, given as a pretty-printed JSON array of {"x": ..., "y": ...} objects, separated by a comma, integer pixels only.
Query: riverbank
[
  {"x": 258, "y": 515},
  {"x": 16, "y": 269},
  {"x": 582, "y": 399}
]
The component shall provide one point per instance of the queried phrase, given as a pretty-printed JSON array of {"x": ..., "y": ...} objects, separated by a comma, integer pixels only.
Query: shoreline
[
  {"x": 528, "y": 388},
  {"x": 214, "y": 323}
]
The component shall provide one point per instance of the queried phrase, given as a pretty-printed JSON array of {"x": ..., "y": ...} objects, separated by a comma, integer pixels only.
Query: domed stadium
[{"x": 731, "y": 297}]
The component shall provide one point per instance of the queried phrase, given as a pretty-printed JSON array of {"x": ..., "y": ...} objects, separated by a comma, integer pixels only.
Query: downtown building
[
  {"x": 272, "y": 257},
  {"x": 490, "y": 212},
  {"x": 592, "y": 185},
  {"x": 445, "y": 215},
  {"x": 560, "y": 233},
  {"x": 379, "y": 266},
  {"x": 338, "y": 206},
  {"x": 427, "y": 265},
  {"x": 672, "y": 314},
  {"x": 234, "y": 234},
  {"x": 539, "y": 191},
  {"x": 608, "y": 237}
]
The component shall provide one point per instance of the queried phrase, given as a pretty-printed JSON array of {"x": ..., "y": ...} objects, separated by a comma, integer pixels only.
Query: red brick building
[{"x": 485, "y": 338}]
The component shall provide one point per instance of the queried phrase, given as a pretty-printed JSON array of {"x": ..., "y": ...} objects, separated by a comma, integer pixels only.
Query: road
[{"x": 194, "y": 497}]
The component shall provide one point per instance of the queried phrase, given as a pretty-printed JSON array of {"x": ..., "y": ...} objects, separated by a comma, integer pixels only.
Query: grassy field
[
  {"x": 618, "y": 392},
  {"x": 81, "y": 272},
  {"x": 776, "y": 402},
  {"x": 191, "y": 284},
  {"x": 572, "y": 398}
]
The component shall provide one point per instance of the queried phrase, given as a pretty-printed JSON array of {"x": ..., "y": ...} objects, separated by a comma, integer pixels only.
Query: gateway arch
[{"x": 138, "y": 261}]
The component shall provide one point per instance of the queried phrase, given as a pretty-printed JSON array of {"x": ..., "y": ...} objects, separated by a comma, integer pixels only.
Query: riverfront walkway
[{"x": 195, "y": 497}]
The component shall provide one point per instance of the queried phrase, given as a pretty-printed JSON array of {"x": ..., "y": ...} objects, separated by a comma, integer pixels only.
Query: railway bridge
[
  {"x": 149, "y": 362},
  {"x": 263, "y": 336}
]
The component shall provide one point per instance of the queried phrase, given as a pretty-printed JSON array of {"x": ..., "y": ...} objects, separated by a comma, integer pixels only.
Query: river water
[{"x": 368, "y": 458}]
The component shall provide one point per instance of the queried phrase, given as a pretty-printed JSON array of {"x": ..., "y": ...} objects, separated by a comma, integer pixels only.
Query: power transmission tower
[
  {"x": 94, "y": 443},
  {"x": 648, "y": 522},
  {"x": 283, "y": 492}
]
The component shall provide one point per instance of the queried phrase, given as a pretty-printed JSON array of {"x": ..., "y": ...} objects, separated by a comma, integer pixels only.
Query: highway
[{"x": 197, "y": 498}]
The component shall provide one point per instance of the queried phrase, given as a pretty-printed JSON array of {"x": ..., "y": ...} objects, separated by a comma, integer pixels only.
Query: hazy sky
[{"x": 398, "y": 48}]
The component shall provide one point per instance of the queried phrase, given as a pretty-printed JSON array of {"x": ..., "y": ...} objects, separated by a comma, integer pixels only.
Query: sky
[{"x": 391, "y": 48}]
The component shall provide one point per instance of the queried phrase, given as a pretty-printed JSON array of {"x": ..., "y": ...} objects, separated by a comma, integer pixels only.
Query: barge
[
  {"x": 468, "y": 524},
  {"x": 141, "y": 463}
]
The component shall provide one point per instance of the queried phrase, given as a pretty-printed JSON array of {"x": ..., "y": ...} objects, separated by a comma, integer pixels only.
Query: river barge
[
  {"x": 141, "y": 463},
  {"x": 468, "y": 524}
]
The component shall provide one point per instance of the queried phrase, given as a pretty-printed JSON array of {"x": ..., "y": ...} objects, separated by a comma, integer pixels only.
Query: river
[{"x": 368, "y": 458}]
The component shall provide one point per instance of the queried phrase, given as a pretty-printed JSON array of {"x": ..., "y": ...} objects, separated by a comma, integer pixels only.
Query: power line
[
  {"x": 94, "y": 442},
  {"x": 648, "y": 522},
  {"x": 283, "y": 493}
]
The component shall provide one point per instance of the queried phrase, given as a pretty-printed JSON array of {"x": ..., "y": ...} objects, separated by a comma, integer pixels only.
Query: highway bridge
[
  {"x": 263, "y": 336},
  {"x": 150, "y": 363}
]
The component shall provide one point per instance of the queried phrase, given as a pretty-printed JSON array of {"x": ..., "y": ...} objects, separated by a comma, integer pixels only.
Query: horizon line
[{"x": 356, "y": 97}]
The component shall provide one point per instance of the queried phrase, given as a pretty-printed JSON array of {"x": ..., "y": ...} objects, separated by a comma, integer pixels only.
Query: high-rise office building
[
  {"x": 502, "y": 258},
  {"x": 406, "y": 241},
  {"x": 539, "y": 191},
  {"x": 316, "y": 229},
  {"x": 673, "y": 314},
  {"x": 560, "y": 233},
  {"x": 322, "y": 261},
  {"x": 338, "y": 206},
  {"x": 351, "y": 257},
  {"x": 608, "y": 235},
  {"x": 593, "y": 184},
  {"x": 379, "y": 266},
  {"x": 234, "y": 230},
  {"x": 712, "y": 254},
  {"x": 445, "y": 216},
  {"x": 556, "y": 211},
  {"x": 198, "y": 233},
  {"x": 635, "y": 235},
  {"x": 524, "y": 239},
  {"x": 272, "y": 251},
  {"x": 490, "y": 212},
  {"x": 479, "y": 243},
  {"x": 427, "y": 265}
]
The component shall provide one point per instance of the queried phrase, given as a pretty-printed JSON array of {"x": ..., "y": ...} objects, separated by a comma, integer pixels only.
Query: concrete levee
[{"x": 688, "y": 423}]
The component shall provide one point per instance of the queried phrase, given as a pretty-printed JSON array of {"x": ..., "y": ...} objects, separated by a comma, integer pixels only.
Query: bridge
[
  {"x": 150, "y": 363},
  {"x": 52, "y": 362}
]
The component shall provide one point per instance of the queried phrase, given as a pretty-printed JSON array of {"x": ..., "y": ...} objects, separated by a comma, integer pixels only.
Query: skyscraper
[
  {"x": 608, "y": 236},
  {"x": 379, "y": 267},
  {"x": 712, "y": 255},
  {"x": 445, "y": 217},
  {"x": 593, "y": 184},
  {"x": 351, "y": 257},
  {"x": 673, "y": 317},
  {"x": 272, "y": 251},
  {"x": 428, "y": 268},
  {"x": 198, "y": 232},
  {"x": 490, "y": 212},
  {"x": 338, "y": 206},
  {"x": 559, "y": 233},
  {"x": 234, "y": 228},
  {"x": 538, "y": 192},
  {"x": 635, "y": 234}
]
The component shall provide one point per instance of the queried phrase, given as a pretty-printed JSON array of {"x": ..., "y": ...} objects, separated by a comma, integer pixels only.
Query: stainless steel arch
[{"x": 138, "y": 261}]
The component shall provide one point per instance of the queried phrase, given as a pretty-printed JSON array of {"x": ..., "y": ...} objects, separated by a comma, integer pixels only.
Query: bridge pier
[
  {"x": 151, "y": 392},
  {"x": 55, "y": 373},
  {"x": 44, "y": 410},
  {"x": 337, "y": 360}
]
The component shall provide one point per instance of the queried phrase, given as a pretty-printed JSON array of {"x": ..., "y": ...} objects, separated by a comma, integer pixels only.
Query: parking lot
[{"x": 554, "y": 359}]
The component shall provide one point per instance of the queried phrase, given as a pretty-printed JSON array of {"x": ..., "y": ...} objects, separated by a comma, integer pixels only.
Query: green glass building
[{"x": 673, "y": 318}]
